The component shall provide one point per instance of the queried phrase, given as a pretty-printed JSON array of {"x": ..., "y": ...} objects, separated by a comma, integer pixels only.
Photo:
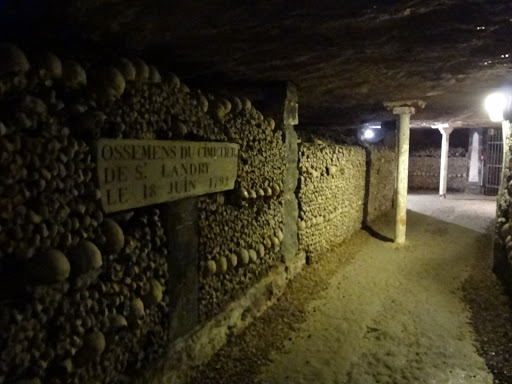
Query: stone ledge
[{"x": 189, "y": 353}]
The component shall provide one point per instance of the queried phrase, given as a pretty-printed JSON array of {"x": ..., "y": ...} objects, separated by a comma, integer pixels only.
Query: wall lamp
[{"x": 498, "y": 106}]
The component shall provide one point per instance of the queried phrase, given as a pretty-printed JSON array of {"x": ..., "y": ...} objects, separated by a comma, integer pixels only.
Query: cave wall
[
  {"x": 334, "y": 188},
  {"x": 424, "y": 166},
  {"x": 91, "y": 297}
]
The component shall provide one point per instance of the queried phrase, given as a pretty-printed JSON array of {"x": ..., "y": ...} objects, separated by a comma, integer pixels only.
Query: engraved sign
[{"x": 136, "y": 173}]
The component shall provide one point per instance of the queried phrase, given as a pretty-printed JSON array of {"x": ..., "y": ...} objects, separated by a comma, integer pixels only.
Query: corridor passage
[
  {"x": 476, "y": 212},
  {"x": 372, "y": 312}
]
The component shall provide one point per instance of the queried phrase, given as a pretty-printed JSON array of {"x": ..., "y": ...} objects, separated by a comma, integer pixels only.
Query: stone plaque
[{"x": 136, "y": 173}]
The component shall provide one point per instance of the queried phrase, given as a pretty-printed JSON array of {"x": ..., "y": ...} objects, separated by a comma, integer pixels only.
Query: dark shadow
[
  {"x": 491, "y": 310},
  {"x": 365, "y": 226},
  {"x": 501, "y": 267},
  {"x": 373, "y": 233}
]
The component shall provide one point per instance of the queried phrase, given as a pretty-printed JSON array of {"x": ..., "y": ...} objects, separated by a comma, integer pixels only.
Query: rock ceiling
[{"x": 346, "y": 57}]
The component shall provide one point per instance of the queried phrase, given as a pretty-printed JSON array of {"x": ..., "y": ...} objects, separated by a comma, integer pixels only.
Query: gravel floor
[{"x": 372, "y": 312}]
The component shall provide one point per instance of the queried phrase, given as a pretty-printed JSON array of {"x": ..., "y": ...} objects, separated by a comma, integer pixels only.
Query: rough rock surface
[{"x": 346, "y": 57}]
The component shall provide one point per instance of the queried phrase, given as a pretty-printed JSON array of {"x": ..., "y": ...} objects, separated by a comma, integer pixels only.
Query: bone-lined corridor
[{"x": 242, "y": 192}]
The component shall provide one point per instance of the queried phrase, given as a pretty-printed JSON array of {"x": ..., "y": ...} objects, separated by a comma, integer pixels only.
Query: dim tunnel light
[
  {"x": 371, "y": 132},
  {"x": 495, "y": 105},
  {"x": 368, "y": 134}
]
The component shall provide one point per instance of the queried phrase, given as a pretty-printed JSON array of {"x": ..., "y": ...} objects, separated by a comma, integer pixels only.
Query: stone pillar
[
  {"x": 443, "y": 172},
  {"x": 290, "y": 244},
  {"x": 402, "y": 173},
  {"x": 281, "y": 102},
  {"x": 474, "y": 162},
  {"x": 475, "y": 176},
  {"x": 181, "y": 222}
]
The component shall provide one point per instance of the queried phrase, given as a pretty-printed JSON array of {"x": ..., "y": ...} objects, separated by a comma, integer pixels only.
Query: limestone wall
[
  {"x": 90, "y": 297},
  {"x": 331, "y": 192},
  {"x": 424, "y": 168}
]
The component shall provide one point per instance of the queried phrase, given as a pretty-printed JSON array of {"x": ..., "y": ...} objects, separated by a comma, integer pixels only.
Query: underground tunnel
[{"x": 270, "y": 192}]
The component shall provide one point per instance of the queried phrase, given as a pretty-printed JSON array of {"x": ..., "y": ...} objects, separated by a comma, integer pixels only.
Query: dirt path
[{"x": 371, "y": 312}]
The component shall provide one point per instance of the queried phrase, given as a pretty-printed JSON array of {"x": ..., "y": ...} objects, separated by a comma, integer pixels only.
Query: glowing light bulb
[
  {"x": 495, "y": 105},
  {"x": 368, "y": 134}
]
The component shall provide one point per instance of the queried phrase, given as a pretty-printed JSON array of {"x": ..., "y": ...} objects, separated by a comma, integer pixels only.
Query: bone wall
[
  {"x": 382, "y": 181},
  {"x": 94, "y": 298},
  {"x": 502, "y": 238},
  {"x": 331, "y": 192},
  {"x": 85, "y": 296},
  {"x": 424, "y": 166}
]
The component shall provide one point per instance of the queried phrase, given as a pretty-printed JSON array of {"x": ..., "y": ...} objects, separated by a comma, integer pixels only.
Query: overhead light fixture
[
  {"x": 440, "y": 126},
  {"x": 372, "y": 125},
  {"x": 368, "y": 134},
  {"x": 495, "y": 104},
  {"x": 371, "y": 132}
]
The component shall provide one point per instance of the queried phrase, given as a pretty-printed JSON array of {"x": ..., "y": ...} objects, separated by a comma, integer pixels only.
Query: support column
[
  {"x": 181, "y": 221},
  {"x": 281, "y": 102},
  {"x": 402, "y": 172},
  {"x": 290, "y": 244},
  {"x": 443, "y": 174},
  {"x": 405, "y": 110}
]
